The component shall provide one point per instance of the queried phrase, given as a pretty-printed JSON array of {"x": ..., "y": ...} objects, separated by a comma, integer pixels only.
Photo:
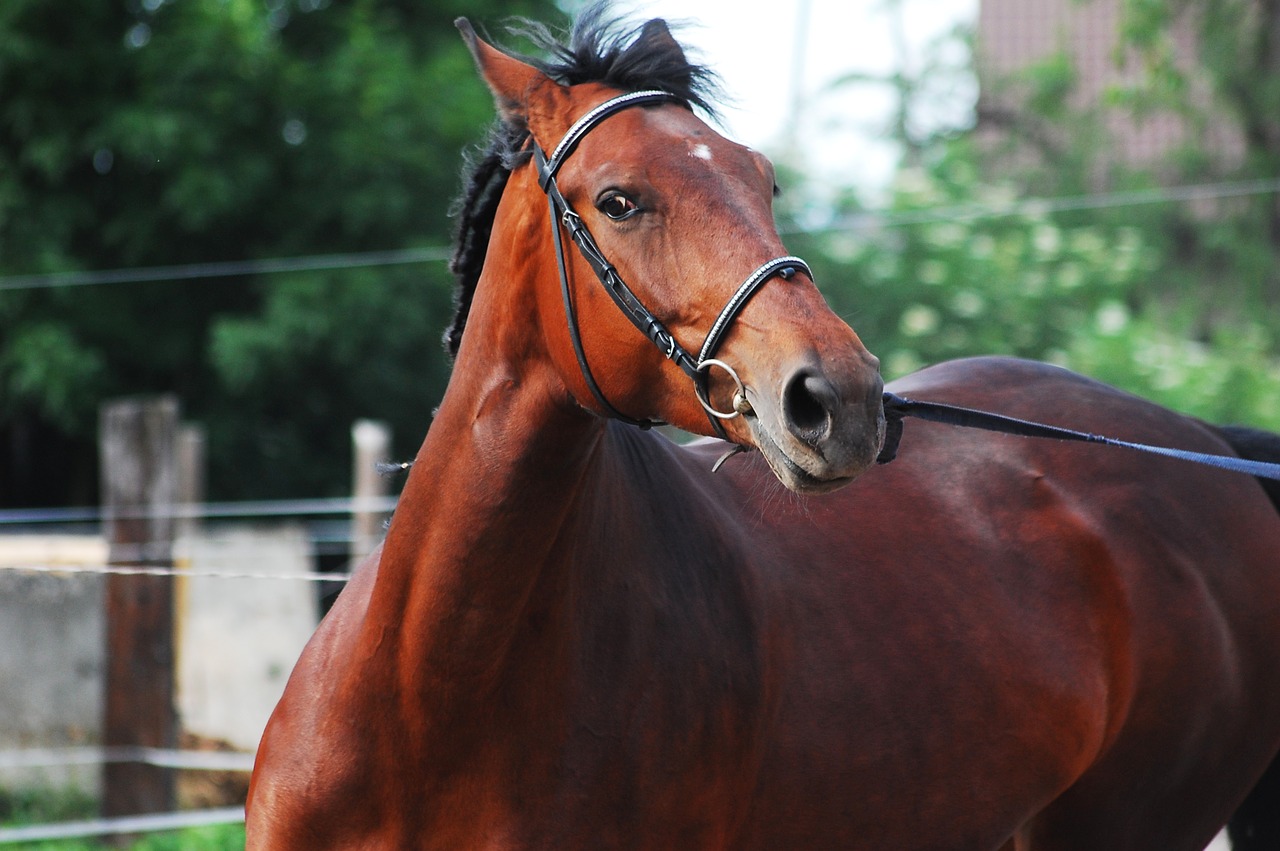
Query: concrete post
[{"x": 371, "y": 442}]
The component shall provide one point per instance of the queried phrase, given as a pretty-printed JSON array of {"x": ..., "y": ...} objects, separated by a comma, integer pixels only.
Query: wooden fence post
[{"x": 137, "y": 439}]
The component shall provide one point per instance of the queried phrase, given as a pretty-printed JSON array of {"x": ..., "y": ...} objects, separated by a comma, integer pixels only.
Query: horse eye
[{"x": 617, "y": 206}]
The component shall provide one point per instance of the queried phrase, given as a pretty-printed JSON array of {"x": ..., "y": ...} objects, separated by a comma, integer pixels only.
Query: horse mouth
[
  {"x": 817, "y": 461},
  {"x": 791, "y": 472}
]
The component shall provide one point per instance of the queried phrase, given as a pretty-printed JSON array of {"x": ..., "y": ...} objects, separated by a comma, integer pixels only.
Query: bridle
[
  {"x": 563, "y": 215},
  {"x": 896, "y": 408}
]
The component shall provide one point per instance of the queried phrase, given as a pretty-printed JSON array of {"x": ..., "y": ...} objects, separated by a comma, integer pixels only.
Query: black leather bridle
[
  {"x": 563, "y": 215},
  {"x": 896, "y": 408}
]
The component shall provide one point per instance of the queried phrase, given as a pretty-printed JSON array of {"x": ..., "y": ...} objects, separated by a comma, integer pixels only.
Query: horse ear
[
  {"x": 656, "y": 36},
  {"x": 510, "y": 80}
]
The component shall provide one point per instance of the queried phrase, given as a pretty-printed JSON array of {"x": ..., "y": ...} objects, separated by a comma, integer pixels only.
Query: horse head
[{"x": 661, "y": 223}]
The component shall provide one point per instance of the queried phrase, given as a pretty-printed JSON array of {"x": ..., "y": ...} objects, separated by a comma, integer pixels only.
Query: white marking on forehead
[{"x": 702, "y": 152}]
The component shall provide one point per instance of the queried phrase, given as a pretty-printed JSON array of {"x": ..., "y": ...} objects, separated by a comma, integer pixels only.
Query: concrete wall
[
  {"x": 51, "y": 660},
  {"x": 238, "y": 638},
  {"x": 235, "y": 644},
  {"x": 1014, "y": 34}
]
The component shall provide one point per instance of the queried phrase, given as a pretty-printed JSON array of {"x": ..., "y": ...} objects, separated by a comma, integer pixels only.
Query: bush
[{"x": 955, "y": 268}]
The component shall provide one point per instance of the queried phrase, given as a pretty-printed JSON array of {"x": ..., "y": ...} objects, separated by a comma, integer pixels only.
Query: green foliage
[
  {"x": 1049, "y": 83},
  {"x": 377, "y": 331},
  {"x": 958, "y": 269},
  {"x": 1233, "y": 378},
  {"x": 213, "y": 838},
  {"x": 47, "y": 369},
  {"x": 970, "y": 282},
  {"x": 160, "y": 133},
  {"x": 38, "y": 806}
]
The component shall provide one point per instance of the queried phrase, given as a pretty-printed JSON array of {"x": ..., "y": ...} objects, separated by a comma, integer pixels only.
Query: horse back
[{"x": 1061, "y": 619}]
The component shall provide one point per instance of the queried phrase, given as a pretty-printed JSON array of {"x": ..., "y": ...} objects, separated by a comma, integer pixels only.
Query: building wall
[{"x": 1013, "y": 34}]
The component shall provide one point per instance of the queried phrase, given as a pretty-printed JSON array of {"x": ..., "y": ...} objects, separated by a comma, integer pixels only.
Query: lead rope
[{"x": 897, "y": 408}]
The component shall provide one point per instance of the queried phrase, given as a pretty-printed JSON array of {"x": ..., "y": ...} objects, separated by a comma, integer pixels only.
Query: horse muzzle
[{"x": 819, "y": 428}]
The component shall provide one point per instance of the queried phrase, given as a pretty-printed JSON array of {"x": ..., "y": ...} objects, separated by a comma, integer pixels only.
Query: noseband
[{"x": 696, "y": 368}]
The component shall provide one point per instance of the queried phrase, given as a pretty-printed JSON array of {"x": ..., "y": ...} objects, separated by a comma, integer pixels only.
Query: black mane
[{"x": 599, "y": 50}]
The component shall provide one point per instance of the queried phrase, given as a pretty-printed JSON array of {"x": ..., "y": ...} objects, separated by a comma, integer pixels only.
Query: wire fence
[
  {"x": 88, "y": 524},
  {"x": 227, "y": 269},
  {"x": 328, "y": 531},
  {"x": 186, "y": 760},
  {"x": 129, "y": 570},
  {"x": 863, "y": 221},
  {"x": 122, "y": 825},
  {"x": 249, "y": 509}
]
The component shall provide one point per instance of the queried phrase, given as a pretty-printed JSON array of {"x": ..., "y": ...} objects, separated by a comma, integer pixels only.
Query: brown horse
[{"x": 577, "y": 636}]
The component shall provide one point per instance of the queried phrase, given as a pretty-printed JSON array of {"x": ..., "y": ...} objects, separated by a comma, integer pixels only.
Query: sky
[{"x": 778, "y": 60}]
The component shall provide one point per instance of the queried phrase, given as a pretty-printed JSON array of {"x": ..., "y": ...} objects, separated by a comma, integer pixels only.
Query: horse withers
[{"x": 576, "y": 636}]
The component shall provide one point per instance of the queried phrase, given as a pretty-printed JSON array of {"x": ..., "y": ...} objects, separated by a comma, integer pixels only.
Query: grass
[
  {"x": 26, "y": 807},
  {"x": 224, "y": 837}
]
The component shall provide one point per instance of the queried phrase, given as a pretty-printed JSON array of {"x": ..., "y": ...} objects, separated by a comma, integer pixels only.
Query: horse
[{"x": 577, "y": 635}]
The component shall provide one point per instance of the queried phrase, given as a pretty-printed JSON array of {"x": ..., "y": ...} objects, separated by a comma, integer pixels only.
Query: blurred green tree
[{"x": 152, "y": 133}]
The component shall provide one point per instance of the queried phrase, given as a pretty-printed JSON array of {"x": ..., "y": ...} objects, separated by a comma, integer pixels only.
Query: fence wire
[
  {"x": 133, "y": 570},
  {"x": 205, "y": 510},
  {"x": 864, "y": 221},
  {"x": 122, "y": 825},
  {"x": 184, "y": 760},
  {"x": 43, "y": 521}
]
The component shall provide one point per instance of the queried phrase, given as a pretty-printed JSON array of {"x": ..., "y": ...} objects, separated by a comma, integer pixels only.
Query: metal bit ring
[{"x": 740, "y": 404}]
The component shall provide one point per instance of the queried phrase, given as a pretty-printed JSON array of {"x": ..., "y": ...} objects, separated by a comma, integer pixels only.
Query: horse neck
[{"x": 491, "y": 489}]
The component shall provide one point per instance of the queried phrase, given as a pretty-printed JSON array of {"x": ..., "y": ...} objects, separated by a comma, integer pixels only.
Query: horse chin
[{"x": 803, "y": 471}]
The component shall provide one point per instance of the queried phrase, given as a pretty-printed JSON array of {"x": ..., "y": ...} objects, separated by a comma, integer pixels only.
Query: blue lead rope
[{"x": 897, "y": 408}]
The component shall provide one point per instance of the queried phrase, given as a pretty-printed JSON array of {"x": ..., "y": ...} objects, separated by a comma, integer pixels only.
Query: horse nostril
[{"x": 808, "y": 403}]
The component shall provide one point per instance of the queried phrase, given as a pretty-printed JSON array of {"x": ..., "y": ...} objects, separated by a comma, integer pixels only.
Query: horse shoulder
[{"x": 309, "y": 760}]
